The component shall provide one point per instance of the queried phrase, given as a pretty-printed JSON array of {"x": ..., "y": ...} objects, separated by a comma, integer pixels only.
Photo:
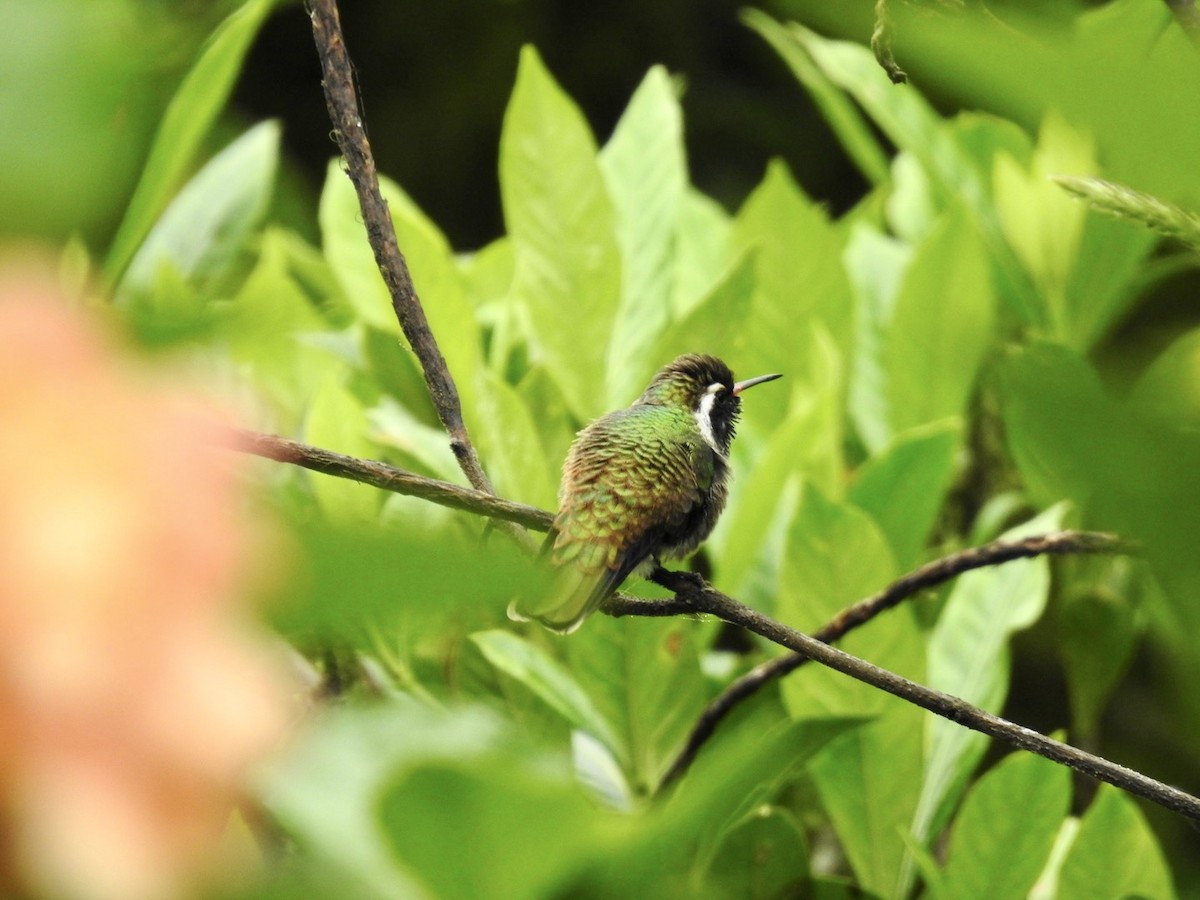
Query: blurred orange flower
[{"x": 133, "y": 692}]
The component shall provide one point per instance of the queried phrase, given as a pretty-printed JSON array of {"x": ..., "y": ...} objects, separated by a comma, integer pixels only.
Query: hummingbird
[{"x": 640, "y": 485}]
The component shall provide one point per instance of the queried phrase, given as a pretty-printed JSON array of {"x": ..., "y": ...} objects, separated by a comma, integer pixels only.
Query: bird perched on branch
[{"x": 639, "y": 485}]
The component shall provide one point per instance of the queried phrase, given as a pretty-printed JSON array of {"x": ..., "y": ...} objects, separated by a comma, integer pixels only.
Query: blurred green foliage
[{"x": 941, "y": 343}]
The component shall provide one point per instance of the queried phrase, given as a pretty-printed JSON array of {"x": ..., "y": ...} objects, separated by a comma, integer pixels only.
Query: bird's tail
[{"x": 574, "y": 591}]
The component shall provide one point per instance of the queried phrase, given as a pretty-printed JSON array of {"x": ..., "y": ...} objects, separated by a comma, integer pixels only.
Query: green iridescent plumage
[{"x": 639, "y": 485}]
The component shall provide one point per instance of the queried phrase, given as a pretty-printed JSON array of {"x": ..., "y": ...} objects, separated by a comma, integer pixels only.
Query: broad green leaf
[
  {"x": 646, "y": 174},
  {"x": 336, "y": 421},
  {"x": 1040, "y": 222},
  {"x": 1170, "y": 388},
  {"x": 755, "y": 753},
  {"x": 488, "y": 275},
  {"x": 940, "y": 328},
  {"x": 765, "y": 856},
  {"x": 501, "y": 827},
  {"x": 904, "y": 486},
  {"x": 762, "y": 502},
  {"x": 382, "y": 795},
  {"x": 843, "y": 116},
  {"x": 1115, "y": 854},
  {"x": 1003, "y": 835},
  {"x": 510, "y": 445},
  {"x": 410, "y": 583},
  {"x": 1129, "y": 472},
  {"x": 867, "y": 781},
  {"x": 968, "y": 657},
  {"x": 395, "y": 370},
  {"x": 185, "y": 124},
  {"x": 1098, "y": 631},
  {"x": 798, "y": 273},
  {"x": 430, "y": 262},
  {"x": 644, "y": 677},
  {"x": 911, "y": 211},
  {"x": 1106, "y": 281},
  {"x": 715, "y": 325},
  {"x": 549, "y": 680},
  {"x": 835, "y": 554},
  {"x": 204, "y": 232},
  {"x": 562, "y": 226},
  {"x": 327, "y": 787},
  {"x": 702, "y": 252},
  {"x": 265, "y": 331},
  {"x": 876, "y": 264}
]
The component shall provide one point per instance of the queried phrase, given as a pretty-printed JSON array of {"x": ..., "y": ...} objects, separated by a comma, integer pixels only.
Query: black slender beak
[{"x": 751, "y": 382}]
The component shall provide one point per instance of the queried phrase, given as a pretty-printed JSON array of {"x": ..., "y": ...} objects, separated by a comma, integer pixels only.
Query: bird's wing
[{"x": 625, "y": 484}]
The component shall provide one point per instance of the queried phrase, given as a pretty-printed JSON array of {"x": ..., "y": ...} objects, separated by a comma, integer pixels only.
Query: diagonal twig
[
  {"x": 342, "y": 101},
  {"x": 933, "y": 573},
  {"x": 704, "y": 599},
  {"x": 390, "y": 478}
]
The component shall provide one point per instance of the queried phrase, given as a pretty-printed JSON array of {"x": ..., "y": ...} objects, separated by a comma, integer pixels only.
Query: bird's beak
[{"x": 751, "y": 382}]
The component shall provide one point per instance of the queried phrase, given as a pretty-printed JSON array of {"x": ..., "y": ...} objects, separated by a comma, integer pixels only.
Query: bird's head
[{"x": 704, "y": 386}]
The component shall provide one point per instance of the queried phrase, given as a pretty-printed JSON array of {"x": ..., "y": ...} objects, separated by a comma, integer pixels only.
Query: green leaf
[
  {"x": 940, "y": 328},
  {"x": 968, "y": 656},
  {"x": 1003, "y": 835},
  {"x": 715, "y": 325},
  {"x": 834, "y": 555},
  {"x": 904, "y": 486},
  {"x": 549, "y": 680},
  {"x": 798, "y": 272},
  {"x": 412, "y": 584},
  {"x": 509, "y": 443},
  {"x": 265, "y": 329},
  {"x": 702, "y": 252},
  {"x": 867, "y": 781},
  {"x": 1097, "y": 635},
  {"x": 204, "y": 232},
  {"x": 644, "y": 677},
  {"x": 1115, "y": 854},
  {"x": 524, "y": 832},
  {"x": 842, "y": 115},
  {"x": 765, "y": 856},
  {"x": 185, "y": 124},
  {"x": 561, "y": 222},
  {"x": 645, "y": 171},
  {"x": 876, "y": 264}
]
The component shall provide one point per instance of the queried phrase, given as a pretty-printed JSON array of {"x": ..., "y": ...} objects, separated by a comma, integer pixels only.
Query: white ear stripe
[{"x": 704, "y": 417}]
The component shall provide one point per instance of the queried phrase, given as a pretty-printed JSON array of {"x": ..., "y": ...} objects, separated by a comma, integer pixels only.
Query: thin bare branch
[
  {"x": 929, "y": 575},
  {"x": 342, "y": 101},
  {"x": 704, "y": 599},
  {"x": 390, "y": 478}
]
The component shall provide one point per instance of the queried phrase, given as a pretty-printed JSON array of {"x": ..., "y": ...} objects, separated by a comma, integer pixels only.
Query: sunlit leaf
[
  {"x": 562, "y": 226},
  {"x": 204, "y": 231},
  {"x": 1003, "y": 835},
  {"x": 646, "y": 173},
  {"x": 186, "y": 122}
]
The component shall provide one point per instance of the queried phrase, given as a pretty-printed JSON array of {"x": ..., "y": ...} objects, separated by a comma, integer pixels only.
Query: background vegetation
[{"x": 977, "y": 285}]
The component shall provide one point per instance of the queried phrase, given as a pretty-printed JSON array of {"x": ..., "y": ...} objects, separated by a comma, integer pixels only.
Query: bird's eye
[{"x": 715, "y": 388}]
